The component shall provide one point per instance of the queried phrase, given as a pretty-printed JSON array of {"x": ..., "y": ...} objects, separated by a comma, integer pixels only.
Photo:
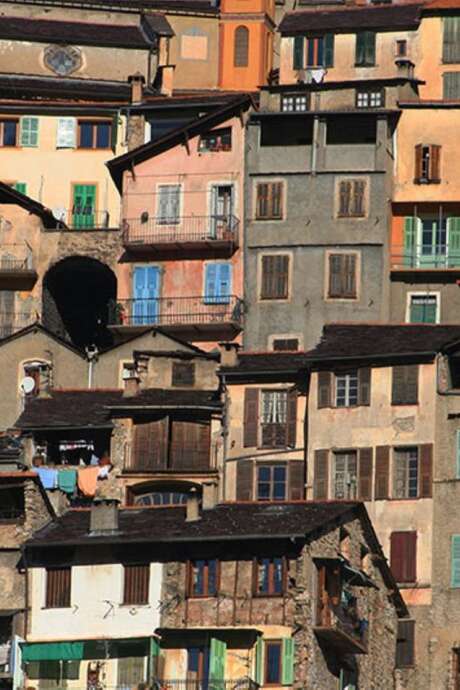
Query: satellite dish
[
  {"x": 59, "y": 213},
  {"x": 27, "y": 384}
]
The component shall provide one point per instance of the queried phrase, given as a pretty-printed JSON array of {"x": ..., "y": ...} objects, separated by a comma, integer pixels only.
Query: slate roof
[
  {"x": 370, "y": 340},
  {"x": 188, "y": 6},
  {"x": 76, "y": 33},
  {"x": 350, "y": 20},
  {"x": 66, "y": 409},
  {"x": 39, "y": 88},
  {"x": 259, "y": 362}
]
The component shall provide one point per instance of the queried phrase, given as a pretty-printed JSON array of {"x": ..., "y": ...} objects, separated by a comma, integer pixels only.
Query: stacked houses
[{"x": 229, "y": 345}]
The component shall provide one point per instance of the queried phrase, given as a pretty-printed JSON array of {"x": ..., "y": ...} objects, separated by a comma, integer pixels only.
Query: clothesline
[{"x": 67, "y": 479}]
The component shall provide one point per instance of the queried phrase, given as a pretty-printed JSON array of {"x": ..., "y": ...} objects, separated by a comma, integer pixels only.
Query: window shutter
[
  {"x": 451, "y": 39},
  {"x": 298, "y": 61},
  {"x": 276, "y": 210},
  {"x": 418, "y": 162},
  {"x": 291, "y": 418},
  {"x": 136, "y": 584},
  {"x": 321, "y": 469},
  {"x": 382, "y": 471},
  {"x": 262, "y": 200},
  {"x": 403, "y": 556},
  {"x": 210, "y": 282},
  {"x": 217, "y": 656},
  {"x": 267, "y": 277},
  {"x": 259, "y": 662},
  {"x": 359, "y": 187},
  {"x": 405, "y": 644},
  {"x": 224, "y": 282},
  {"x": 405, "y": 384},
  {"x": 344, "y": 198},
  {"x": 241, "y": 47},
  {"x": 370, "y": 47},
  {"x": 244, "y": 480},
  {"x": 360, "y": 48},
  {"x": 324, "y": 389},
  {"x": 365, "y": 474},
  {"x": 114, "y": 133},
  {"x": 29, "y": 131},
  {"x": 457, "y": 464},
  {"x": 296, "y": 480},
  {"x": 66, "y": 133},
  {"x": 410, "y": 233},
  {"x": 349, "y": 261},
  {"x": 20, "y": 187},
  {"x": 455, "y": 560},
  {"x": 453, "y": 252},
  {"x": 287, "y": 664},
  {"x": 251, "y": 417},
  {"x": 364, "y": 386},
  {"x": 150, "y": 446},
  {"x": 426, "y": 470},
  {"x": 282, "y": 276},
  {"x": 190, "y": 445},
  {"x": 435, "y": 163},
  {"x": 329, "y": 50}
]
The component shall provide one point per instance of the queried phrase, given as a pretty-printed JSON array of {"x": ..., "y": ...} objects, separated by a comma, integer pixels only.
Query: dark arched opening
[
  {"x": 76, "y": 294},
  {"x": 161, "y": 493}
]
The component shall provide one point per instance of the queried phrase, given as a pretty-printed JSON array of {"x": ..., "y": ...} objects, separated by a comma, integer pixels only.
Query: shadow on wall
[{"x": 76, "y": 294}]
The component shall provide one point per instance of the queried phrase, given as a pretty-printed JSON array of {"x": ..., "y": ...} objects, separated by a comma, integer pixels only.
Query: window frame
[
  {"x": 270, "y": 296},
  {"x": 348, "y": 374},
  {"x": 178, "y": 369},
  {"x": 347, "y": 454},
  {"x": 94, "y": 124},
  {"x": 351, "y": 212},
  {"x": 370, "y": 93},
  {"x": 329, "y": 294},
  {"x": 219, "y": 133},
  {"x": 165, "y": 220},
  {"x": 271, "y": 466},
  {"x": 365, "y": 62},
  {"x": 241, "y": 50},
  {"x": 422, "y": 293},
  {"x": 406, "y": 449},
  {"x": 273, "y": 643},
  {"x": 427, "y": 163},
  {"x": 273, "y": 392},
  {"x": 296, "y": 98},
  {"x": 258, "y": 565},
  {"x": 270, "y": 215},
  {"x": 206, "y": 594},
  {"x": 140, "y": 597}
]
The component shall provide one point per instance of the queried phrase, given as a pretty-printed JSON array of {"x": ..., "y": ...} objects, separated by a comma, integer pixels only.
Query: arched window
[
  {"x": 160, "y": 493},
  {"x": 241, "y": 47}
]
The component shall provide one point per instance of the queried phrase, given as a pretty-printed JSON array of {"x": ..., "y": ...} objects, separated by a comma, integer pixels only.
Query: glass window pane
[
  {"x": 9, "y": 133},
  {"x": 273, "y": 667},
  {"x": 278, "y": 575},
  {"x": 279, "y": 474},
  {"x": 198, "y": 577},
  {"x": 212, "y": 577},
  {"x": 103, "y": 135}
]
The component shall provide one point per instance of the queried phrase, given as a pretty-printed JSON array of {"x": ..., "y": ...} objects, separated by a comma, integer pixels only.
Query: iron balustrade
[
  {"x": 206, "y": 684},
  {"x": 16, "y": 257},
  {"x": 182, "y": 229},
  {"x": 425, "y": 256},
  {"x": 176, "y": 311},
  {"x": 84, "y": 218},
  {"x": 11, "y": 322}
]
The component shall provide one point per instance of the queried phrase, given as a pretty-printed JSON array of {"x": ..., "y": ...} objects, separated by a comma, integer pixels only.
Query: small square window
[
  {"x": 216, "y": 140},
  {"x": 183, "y": 374},
  {"x": 271, "y": 482},
  {"x": 297, "y": 104},
  {"x": 370, "y": 99},
  {"x": 401, "y": 48},
  {"x": 346, "y": 389}
]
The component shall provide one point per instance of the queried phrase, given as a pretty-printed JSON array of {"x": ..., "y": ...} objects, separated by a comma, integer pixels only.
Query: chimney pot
[
  {"x": 192, "y": 508},
  {"x": 104, "y": 516},
  {"x": 137, "y": 81},
  {"x": 229, "y": 354},
  {"x": 131, "y": 388}
]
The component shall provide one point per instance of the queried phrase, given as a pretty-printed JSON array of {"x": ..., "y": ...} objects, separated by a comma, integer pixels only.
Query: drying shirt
[
  {"x": 87, "y": 480},
  {"x": 48, "y": 477},
  {"x": 67, "y": 481}
]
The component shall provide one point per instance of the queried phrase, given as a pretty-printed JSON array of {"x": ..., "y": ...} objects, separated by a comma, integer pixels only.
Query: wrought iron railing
[
  {"x": 207, "y": 684},
  {"x": 85, "y": 218},
  {"x": 425, "y": 256},
  {"x": 157, "y": 230},
  {"x": 16, "y": 257},
  {"x": 176, "y": 311},
  {"x": 12, "y": 322}
]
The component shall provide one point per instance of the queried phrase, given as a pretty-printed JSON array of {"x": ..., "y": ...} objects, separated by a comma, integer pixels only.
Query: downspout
[
  {"x": 305, "y": 442},
  {"x": 225, "y": 438},
  {"x": 91, "y": 354},
  {"x": 26, "y": 592}
]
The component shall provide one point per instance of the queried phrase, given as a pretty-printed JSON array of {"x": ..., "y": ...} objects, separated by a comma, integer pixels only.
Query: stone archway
[{"x": 76, "y": 294}]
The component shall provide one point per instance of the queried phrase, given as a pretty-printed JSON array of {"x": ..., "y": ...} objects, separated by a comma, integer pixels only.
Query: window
[
  {"x": 58, "y": 586},
  {"x": 456, "y": 668},
  {"x": 218, "y": 283},
  {"x": 183, "y": 374},
  {"x": 423, "y": 308},
  {"x": 269, "y": 576},
  {"x": 403, "y": 556},
  {"x": 451, "y": 86},
  {"x": 427, "y": 164},
  {"x": 316, "y": 51},
  {"x": 287, "y": 132},
  {"x": 136, "y": 584},
  {"x": 272, "y": 663},
  {"x": 359, "y": 129},
  {"x": 342, "y": 276},
  {"x": 294, "y": 104},
  {"x": 405, "y": 385},
  {"x": 451, "y": 39},
  {"x": 365, "y": 48},
  {"x": 241, "y": 47},
  {"x": 346, "y": 389},
  {"x": 285, "y": 344},
  {"x": 345, "y": 478},
  {"x": 370, "y": 99},
  {"x": 274, "y": 419},
  {"x": 350, "y": 388},
  {"x": 63, "y": 60},
  {"x": 20, "y": 187},
  {"x": 12, "y": 507},
  {"x": 94, "y": 135},
  {"x": 198, "y": 663},
  {"x": 298, "y": 54},
  {"x": 84, "y": 206},
  {"x": 270, "y": 418},
  {"x": 271, "y": 482},
  {"x": 161, "y": 498},
  {"x": 216, "y": 140},
  {"x": 29, "y": 131},
  {"x": 8, "y": 132},
  {"x": 169, "y": 204},
  {"x": 203, "y": 578},
  {"x": 278, "y": 662},
  {"x": 351, "y": 198},
  {"x": 40, "y": 372},
  {"x": 275, "y": 277},
  {"x": 455, "y": 560},
  {"x": 66, "y": 133},
  {"x": 170, "y": 444},
  {"x": 406, "y": 471},
  {"x": 401, "y": 48},
  {"x": 269, "y": 202}
]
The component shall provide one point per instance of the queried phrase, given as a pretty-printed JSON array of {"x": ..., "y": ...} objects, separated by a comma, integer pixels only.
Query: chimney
[
  {"x": 209, "y": 495},
  {"x": 104, "y": 516},
  {"x": 229, "y": 354},
  {"x": 137, "y": 81},
  {"x": 167, "y": 79},
  {"x": 192, "y": 508},
  {"x": 131, "y": 388}
]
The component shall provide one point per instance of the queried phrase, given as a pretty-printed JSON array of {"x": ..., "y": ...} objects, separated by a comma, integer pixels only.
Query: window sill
[
  {"x": 201, "y": 596},
  {"x": 56, "y": 608},
  {"x": 144, "y": 605},
  {"x": 365, "y": 64}
]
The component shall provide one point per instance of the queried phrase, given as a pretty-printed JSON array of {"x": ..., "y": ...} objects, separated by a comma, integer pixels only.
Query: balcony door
[
  {"x": 221, "y": 209},
  {"x": 146, "y": 291},
  {"x": 84, "y": 205},
  {"x": 206, "y": 666},
  {"x": 433, "y": 242}
]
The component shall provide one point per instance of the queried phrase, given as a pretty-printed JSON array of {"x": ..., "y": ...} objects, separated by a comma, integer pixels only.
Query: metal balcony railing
[
  {"x": 425, "y": 256},
  {"x": 85, "y": 218},
  {"x": 16, "y": 258},
  {"x": 176, "y": 311},
  {"x": 11, "y": 322},
  {"x": 180, "y": 230},
  {"x": 207, "y": 684}
]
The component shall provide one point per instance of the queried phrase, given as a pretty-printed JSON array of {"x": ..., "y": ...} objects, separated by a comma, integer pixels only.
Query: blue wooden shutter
[
  {"x": 139, "y": 282},
  {"x": 329, "y": 50},
  {"x": 287, "y": 665},
  {"x": 210, "y": 284},
  {"x": 455, "y": 560},
  {"x": 298, "y": 61},
  {"x": 410, "y": 233},
  {"x": 224, "y": 283},
  {"x": 217, "y": 663},
  {"x": 453, "y": 246}
]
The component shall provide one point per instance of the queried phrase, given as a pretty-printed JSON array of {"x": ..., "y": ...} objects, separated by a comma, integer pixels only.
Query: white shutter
[
  {"x": 66, "y": 133},
  {"x": 29, "y": 131}
]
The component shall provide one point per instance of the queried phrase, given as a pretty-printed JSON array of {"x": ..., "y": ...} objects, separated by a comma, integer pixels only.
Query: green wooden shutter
[
  {"x": 410, "y": 232},
  {"x": 329, "y": 50},
  {"x": 217, "y": 663},
  {"x": 287, "y": 665},
  {"x": 29, "y": 131},
  {"x": 298, "y": 61},
  {"x": 84, "y": 200},
  {"x": 453, "y": 246},
  {"x": 360, "y": 48},
  {"x": 20, "y": 187},
  {"x": 259, "y": 663},
  {"x": 455, "y": 560},
  {"x": 370, "y": 47}
]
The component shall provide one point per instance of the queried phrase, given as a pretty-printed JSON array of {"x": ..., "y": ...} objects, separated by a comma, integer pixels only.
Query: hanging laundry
[
  {"x": 94, "y": 460},
  {"x": 48, "y": 477},
  {"x": 87, "y": 480},
  {"x": 104, "y": 472},
  {"x": 67, "y": 481}
]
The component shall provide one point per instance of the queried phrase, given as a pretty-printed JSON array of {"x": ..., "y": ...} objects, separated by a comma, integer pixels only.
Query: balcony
[
  {"x": 11, "y": 322},
  {"x": 199, "y": 318},
  {"x": 16, "y": 267},
  {"x": 425, "y": 259},
  {"x": 84, "y": 220},
  {"x": 192, "y": 236},
  {"x": 340, "y": 632}
]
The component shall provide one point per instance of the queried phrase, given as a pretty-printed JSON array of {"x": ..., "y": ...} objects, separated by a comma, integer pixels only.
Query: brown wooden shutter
[
  {"x": 349, "y": 275},
  {"x": 268, "y": 269},
  {"x": 403, "y": 556},
  {"x": 324, "y": 389},
  {"x": 296, "y": 480},
  {"x": 359, "y": 187},
  {"x": 321, "y": 469},
  {"x": 244, "y": 480},
  {"x": 365, "y": 474},
  {"x": 190, "y": 445},
  {"x": 364, "y": 386},
  {"x": 282, "y": 276},
  {"x": 291, "y": 418},
  {"x": 344, "y": 198},
  {"x": 136, "y": 584},
  {"x": 150, "y": 446},
  {"x": 276, "y": 210},
  {"x": 426, "y": 470},
  {"x": 405, "y": 385},
  {"x": 262, "y": 200},
  {"x": 251, "y": 417},
  {"x": 435, "y": 163},
  {"x": 183, "y": 374},
  {"x": 418, "y": 162},
  {"x": 382, "y": 471},
  {"x": 58, "y": 587},
  {"x": 405, "y": 644}
]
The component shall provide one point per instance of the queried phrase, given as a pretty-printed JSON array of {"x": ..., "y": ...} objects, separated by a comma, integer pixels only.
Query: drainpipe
[
  {"x": 225, "y": 437},
  {"x": 26, "y": 593},
  {"x": 92, "y": 354}
]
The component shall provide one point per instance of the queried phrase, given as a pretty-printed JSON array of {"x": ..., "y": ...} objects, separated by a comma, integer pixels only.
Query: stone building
[{"x": 293, "y": 595}]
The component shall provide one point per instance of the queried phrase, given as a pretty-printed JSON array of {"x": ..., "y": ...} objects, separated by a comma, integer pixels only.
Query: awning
[{"x": 87, "y": 649}]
